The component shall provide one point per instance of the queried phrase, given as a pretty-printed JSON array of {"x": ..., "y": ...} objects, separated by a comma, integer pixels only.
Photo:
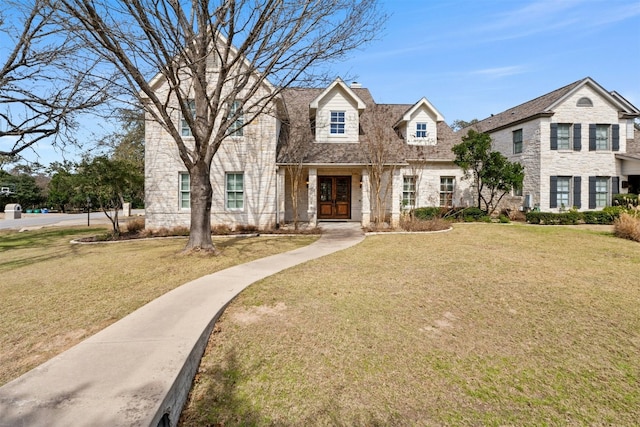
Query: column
[{"x": 312, "y": 211}]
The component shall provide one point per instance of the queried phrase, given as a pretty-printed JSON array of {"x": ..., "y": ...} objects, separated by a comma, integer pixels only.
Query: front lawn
[
  {"x": 488, "y": 324},
  {"x": 54, "y": 294}
]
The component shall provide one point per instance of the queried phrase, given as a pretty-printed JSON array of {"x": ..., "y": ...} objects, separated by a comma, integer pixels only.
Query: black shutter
[
  {"x": 592, "y": 192},
  {"x": 553, "y": 193},
  {"x": 615, "y": 137},
  {"x": 554, "y": 136},
  {"x": 577, "y": 137},
  {"x": 615, "y": 185},
  {"x": 592, "y": 137},
  {"x": 577, "y": 183}
]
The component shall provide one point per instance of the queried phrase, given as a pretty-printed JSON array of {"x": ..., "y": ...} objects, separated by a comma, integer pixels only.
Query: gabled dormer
[
  {"x": 418, "y": 125},
  {"x": 336, "y": 113}
]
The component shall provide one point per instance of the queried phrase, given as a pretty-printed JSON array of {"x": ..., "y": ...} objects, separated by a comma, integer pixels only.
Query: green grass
[
  {"x": 54, "y": 294},
  {"x": 485, "y": 325}
]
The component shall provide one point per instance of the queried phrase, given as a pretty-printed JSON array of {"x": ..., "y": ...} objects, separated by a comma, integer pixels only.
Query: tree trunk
[{"x": 201, "y": 196}]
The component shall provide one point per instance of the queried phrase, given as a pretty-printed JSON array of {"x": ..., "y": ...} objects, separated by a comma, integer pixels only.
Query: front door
[{"x": 334, "y": 197}]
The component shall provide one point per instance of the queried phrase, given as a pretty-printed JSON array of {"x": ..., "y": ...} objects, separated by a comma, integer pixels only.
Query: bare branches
[{"x": 43, "y": 84}]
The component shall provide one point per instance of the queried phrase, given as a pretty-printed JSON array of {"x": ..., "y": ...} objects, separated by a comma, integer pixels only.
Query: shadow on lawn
[{"x": 223, "y": 403}]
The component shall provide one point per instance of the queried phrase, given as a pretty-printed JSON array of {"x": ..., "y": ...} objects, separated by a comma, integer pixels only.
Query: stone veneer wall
[
  {"x": 541, "y": 162},
  {"x": 254, "y": 154}
]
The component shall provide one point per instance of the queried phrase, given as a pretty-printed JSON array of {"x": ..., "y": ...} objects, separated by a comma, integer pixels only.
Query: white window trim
[
  {"x": 181, "y": 192},
  {"x": 406, "y": 201},
  {"x": 183, "y": 123},
  {"x": 343, "y": 123},
  {"x": 441, "y": 192},
  {"x": 418, "y": 131},
  {"x": 227, "y": 191},
  {"x": 236, "y": 128}
]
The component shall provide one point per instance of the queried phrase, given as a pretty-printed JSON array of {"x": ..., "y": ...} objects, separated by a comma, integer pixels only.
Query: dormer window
[
  {"x": 421, "y": 130},
  {"x": 337, "y": 123}
]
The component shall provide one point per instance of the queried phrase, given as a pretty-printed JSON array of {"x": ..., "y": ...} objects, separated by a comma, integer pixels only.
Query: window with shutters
[
  {"x": 564, "y": 136},
  {"x": 563, "y": 195},
  {"x": 517, "y": 141},
  {"x": 602, "y": 191},
  {"x": 602, "y": 137}
]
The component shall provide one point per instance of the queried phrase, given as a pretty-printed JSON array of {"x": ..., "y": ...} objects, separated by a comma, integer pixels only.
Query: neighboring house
[{"x": 575, "y": 143}]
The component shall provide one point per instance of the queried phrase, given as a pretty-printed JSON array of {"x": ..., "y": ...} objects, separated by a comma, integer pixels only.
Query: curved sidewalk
[{"x": 138, "y": 371}]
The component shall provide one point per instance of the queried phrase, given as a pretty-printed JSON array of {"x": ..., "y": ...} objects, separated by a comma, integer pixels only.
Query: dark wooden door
[{"x": 334, "y": 197}]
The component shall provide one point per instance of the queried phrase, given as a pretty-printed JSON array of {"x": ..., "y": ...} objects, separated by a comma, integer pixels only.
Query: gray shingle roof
[
  {"x": 530, "y": 109},
  {"x": 297, "y": 140}
]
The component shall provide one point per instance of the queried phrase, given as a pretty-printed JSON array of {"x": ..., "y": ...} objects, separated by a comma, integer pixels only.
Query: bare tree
[
  {"x": 212, "y": 54},
  {"x": 295, "y": 153},
  {"x": 381, "y": 160},
  {"x": 44, "y": 84}
]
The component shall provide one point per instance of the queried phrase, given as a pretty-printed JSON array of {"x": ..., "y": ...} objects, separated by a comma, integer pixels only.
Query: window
[
  {"x": 185, "y": 191},
  {"x": 235, "y": 110},
  {"x": 517, "y": 141},
  {"x": 235, "y": 190},
  {"x": 564, "y": 138},
  {"x": 517, "y": 191},
  {"x": 337, "y": 123},
  {"x": 584, "y": 102},
  {"x": 446, "y": 191},
  {"x": 186, "y": 130},
  {"x": 421, "y": 130},
  {"x": 602, "y": 137},
  {"x": 602, "y": 191},
  {"x": 409, "y": 192},
  {"x": 563, "y": 197}
]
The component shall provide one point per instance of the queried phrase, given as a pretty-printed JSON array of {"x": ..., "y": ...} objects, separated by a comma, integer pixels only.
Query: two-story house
[
  {"x": 573, "y": 144},
  {"x": 357, "y": 160}
]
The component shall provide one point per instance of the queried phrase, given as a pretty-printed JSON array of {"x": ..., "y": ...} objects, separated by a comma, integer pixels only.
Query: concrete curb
[{"x": 138, "y": 371}]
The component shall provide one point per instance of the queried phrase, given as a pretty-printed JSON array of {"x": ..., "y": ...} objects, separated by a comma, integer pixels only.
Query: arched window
[{"x": 584, "y": 102}]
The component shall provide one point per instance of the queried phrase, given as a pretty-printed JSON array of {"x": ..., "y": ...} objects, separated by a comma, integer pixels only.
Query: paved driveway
[{"x": 56, "y": 219}]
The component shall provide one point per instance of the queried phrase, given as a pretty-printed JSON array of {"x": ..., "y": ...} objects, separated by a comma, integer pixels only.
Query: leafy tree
[
  {"x": 499, "y": 177},
  {"x": 106, "y": 182},
  {"x": 209, "y": 55},
  {"x": 489, "y": 170},
  {"x": 64, "y": 190},
  {"x": 458, "y": 124},
  {"x": 127, "y": 144},
  {"x": 25, "y": 191}
]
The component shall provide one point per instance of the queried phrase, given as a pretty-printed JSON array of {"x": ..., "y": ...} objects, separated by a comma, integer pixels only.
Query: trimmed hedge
[
  {"x": 471, "y": 214},
  {"x": 606, "y": 216},
  {"x": 626, "y": 200}
]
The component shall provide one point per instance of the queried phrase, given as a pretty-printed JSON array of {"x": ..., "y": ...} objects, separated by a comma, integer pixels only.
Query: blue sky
[{"x": 474, "y": 58}]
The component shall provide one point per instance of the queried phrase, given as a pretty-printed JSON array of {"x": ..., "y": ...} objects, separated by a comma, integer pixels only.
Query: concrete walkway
[{"x": 138, "y": 371}]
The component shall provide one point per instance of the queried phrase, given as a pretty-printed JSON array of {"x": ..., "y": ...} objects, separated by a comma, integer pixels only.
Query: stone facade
[
  {"x": 579, "y": 107},
  {"x": 310, "y": 124}
]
